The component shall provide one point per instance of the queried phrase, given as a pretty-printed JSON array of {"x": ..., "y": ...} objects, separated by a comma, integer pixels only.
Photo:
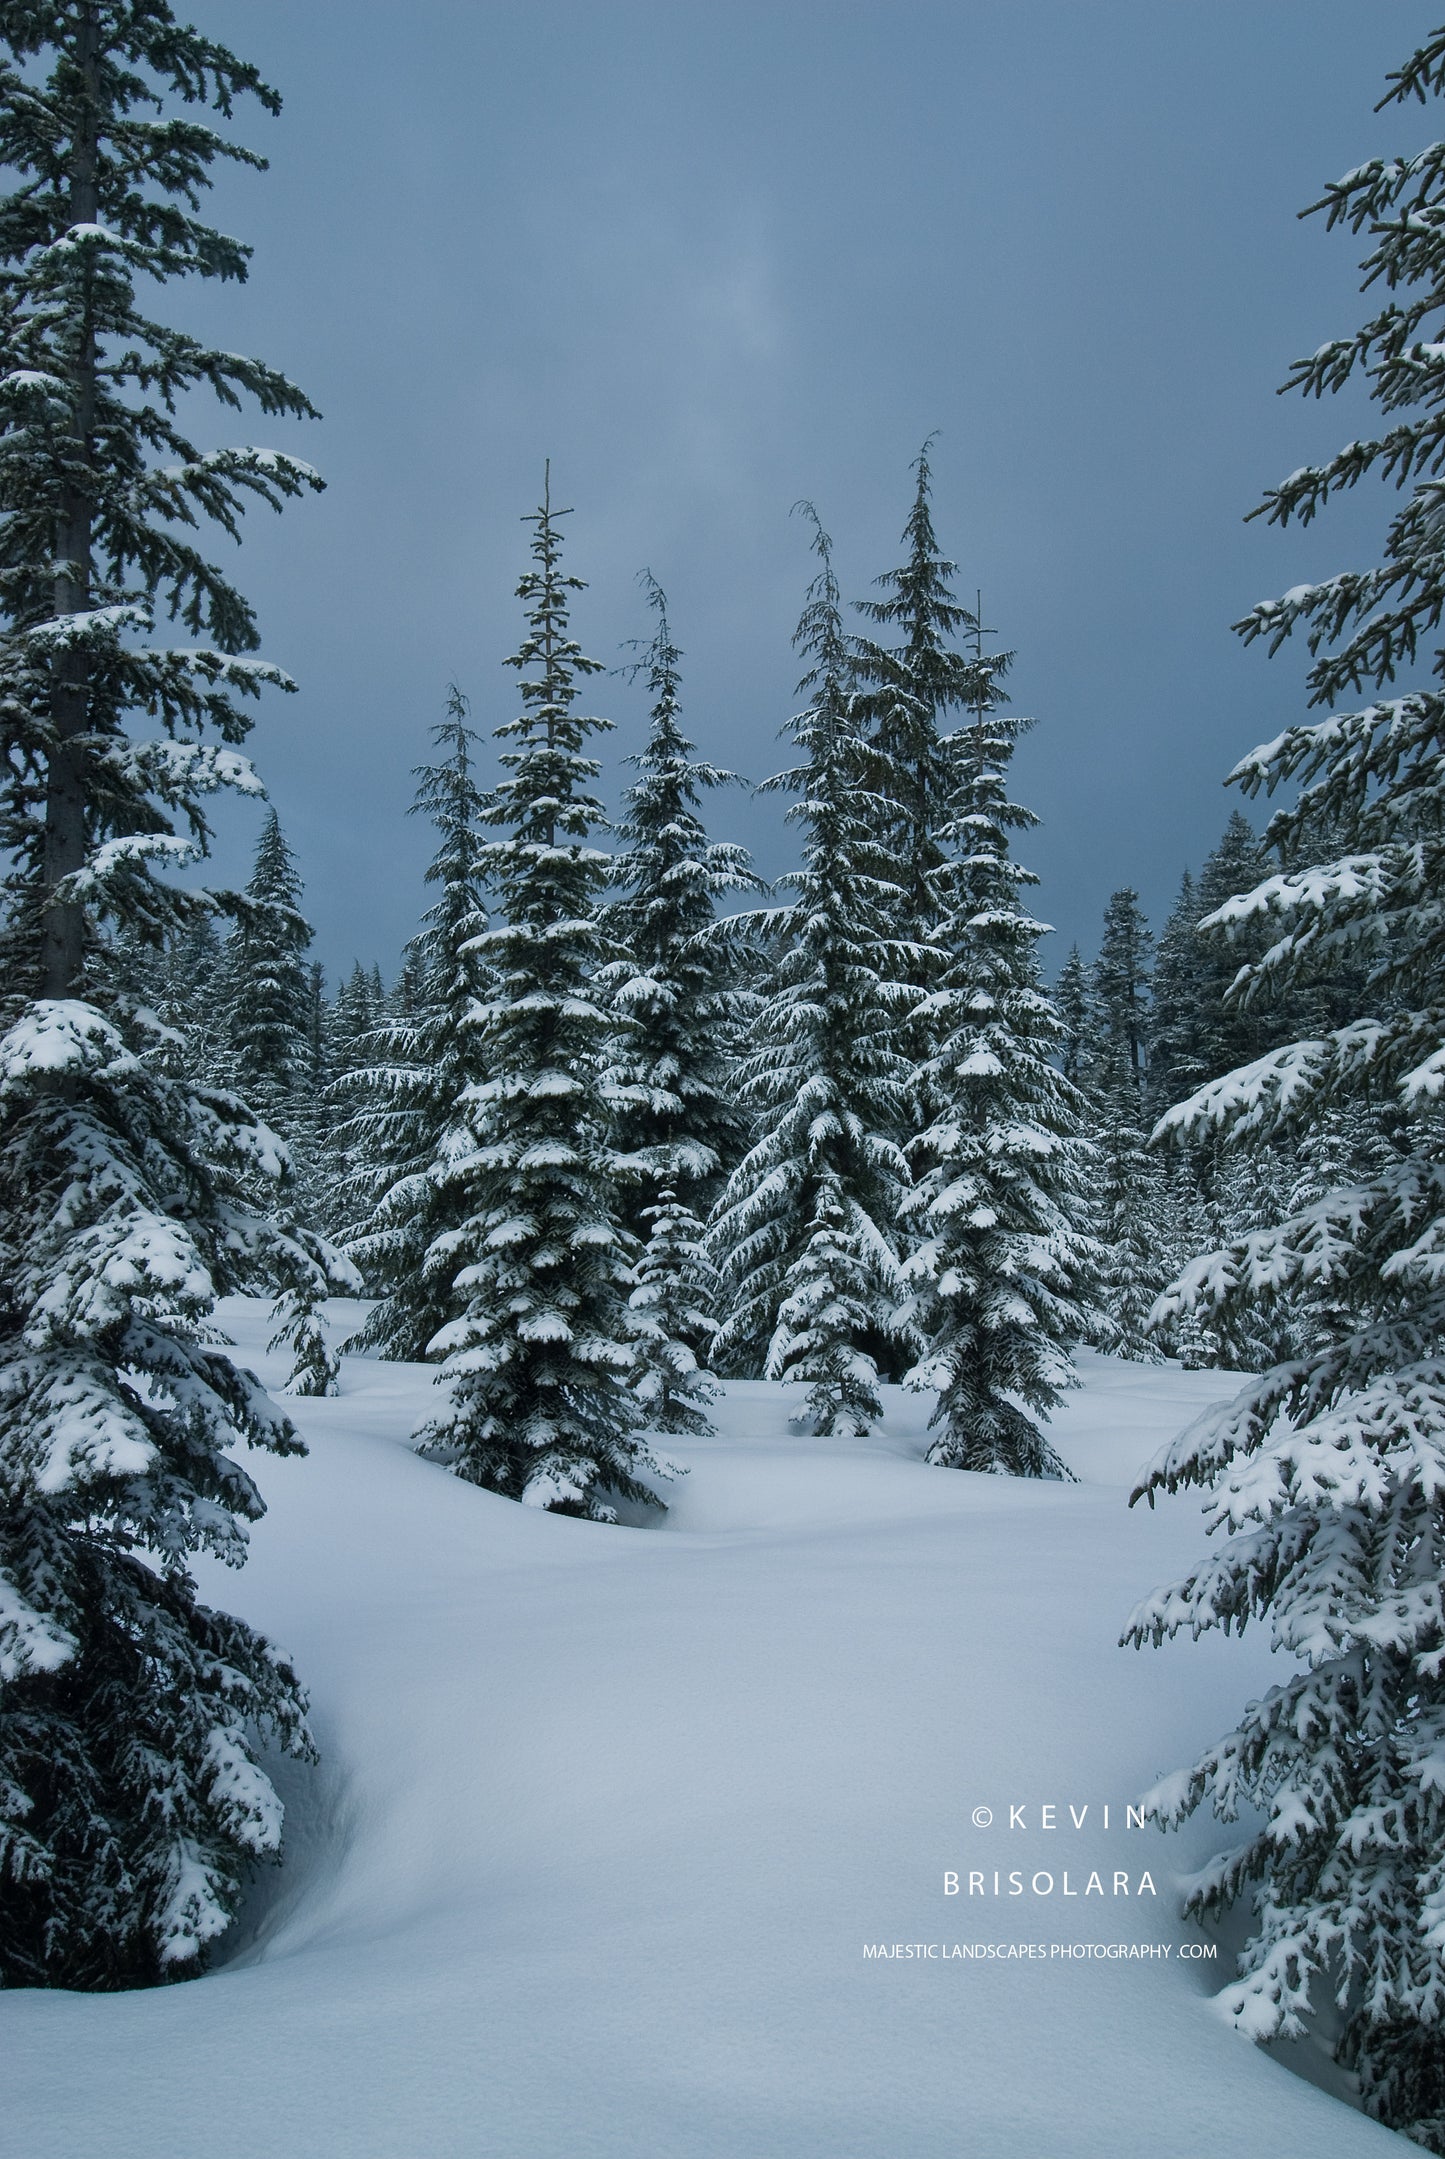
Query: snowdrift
[{"x": 613, "y": 1824}]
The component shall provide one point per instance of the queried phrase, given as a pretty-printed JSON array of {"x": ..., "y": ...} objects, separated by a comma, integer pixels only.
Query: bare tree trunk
[{"x": 63, "y": 922}]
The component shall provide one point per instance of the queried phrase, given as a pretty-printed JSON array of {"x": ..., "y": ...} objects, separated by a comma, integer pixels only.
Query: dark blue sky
[{"x": 710, "y": 260}]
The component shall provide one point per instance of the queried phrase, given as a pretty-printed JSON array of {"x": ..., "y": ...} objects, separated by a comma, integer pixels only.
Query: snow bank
[{"x": 608, "y": 1815}]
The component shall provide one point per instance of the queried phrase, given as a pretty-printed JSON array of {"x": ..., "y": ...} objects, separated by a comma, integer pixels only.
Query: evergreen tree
[
  {"x": 676, "y": 1122},
  {"x": 909, "y": 691},
  {"x": 804, "y": 1231},
  {"x": 1229, "y": 1032},
  {"x": 409, "y": 1104},
  {"x": 269, "y": 992},
  {"x": 1073, "y": 1003},
  {"x": 348, "y": 1048},
  {"x": 313, "y": 1115},
  {"x": 132, "y": 1799},
  {"x": 354, "y": 1016},
  {"x": 1190, "y": 1228},
  {"x": 1130, "y": 1183},
  {"x": 1121, "y": 986},
  {"x": 269, "y": 999},
  {"x": 996, "y": 1276},
  {"x": 674, "y": 1309},
  {"x": 1176, "y": 1066},
  {"x": 1130, "y": 1199},
  {"x": 407, "y": 999},
  {"x": 540, "y": 1356},
  {"x": 1329, "y": 1470}
]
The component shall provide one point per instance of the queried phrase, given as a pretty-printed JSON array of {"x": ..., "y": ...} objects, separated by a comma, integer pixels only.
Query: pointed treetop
[{"x": 920, "y": 594}]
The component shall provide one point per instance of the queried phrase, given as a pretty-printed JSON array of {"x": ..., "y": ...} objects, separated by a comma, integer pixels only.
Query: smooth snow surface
[{"x": 607, "y": 1815}]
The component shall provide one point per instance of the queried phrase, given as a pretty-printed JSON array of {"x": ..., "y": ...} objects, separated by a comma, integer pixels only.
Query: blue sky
[{"x": 711, "y": 260}]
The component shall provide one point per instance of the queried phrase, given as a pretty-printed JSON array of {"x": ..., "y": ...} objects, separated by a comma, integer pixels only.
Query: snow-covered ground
[{"x": 607, "y": 1816}]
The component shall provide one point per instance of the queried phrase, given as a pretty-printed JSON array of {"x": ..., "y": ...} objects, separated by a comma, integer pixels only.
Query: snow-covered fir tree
[
  {"x": 1176, "y": 1062},
  {"x": 674, "y": 1307},
  {"x": 270, "y": 1019},
  {"x": 804, "y": 1234},
  {"x": 1130, "y": 1200},
  {"x": 1129, "y": 1184},
  {"x": 132, "y": 1797},
  {"x": 1199, "y": 1031},
  {"x": 1328, "y": 1472},
  {"x": 348, "y": 1027},
  {"x": 676, "y": 1121},
  {"x": 1073, "y": 1003},
  {"x": 1121, "y": 985},
  {"x": 409, "y": 1105},
  {"x": 359, "y": 1004},
  {"x": 314, "y": 1114},
  {"x": 1000, "y": 1262},
  {"x": 407, "y": 998},
  {"x": 540, "y": 1356},
  {"x": 908, "y": 692},
  {"x": 268, "y": 992},
  {"x": 1228, "y": 1034}
]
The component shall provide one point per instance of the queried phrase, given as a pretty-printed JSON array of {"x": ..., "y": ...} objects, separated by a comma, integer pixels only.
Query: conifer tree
[
  {"x": 1121, "y": 985},
  {"x": 354, "y": 1015},
  {"x": 132, "y": 1798},
  {"x": 540, "y": 1356},
  {"x": 314, "y": 1115},
  {"x": 674, "y": 1307},
  {"x": 349, "y": 1047},
  {"x": 269, "y": 994},
  {"x": 910, "y": 690},
  {"x": 804, "y": 1232},
  {"x": 1328, "y": 1472},
  {"x": 1128, "y": 1216},
  {"x": 269, "y": 1060},
  {"x": 1176, "y": 1066},
  {"x": 407, "y": 998},
  {"x": 1073, "y": 1004},
  {"x": 1129, "y": 1184},
  {"x": 409, "y": 1103},
  {"x": 676, "y": 1121},
  {"x": 1227, "y": 1033},
  {"x": 1001, "y": 1259}
]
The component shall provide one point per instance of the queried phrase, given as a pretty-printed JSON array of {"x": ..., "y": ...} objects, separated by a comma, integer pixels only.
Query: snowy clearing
[{"x": 606, "y": 1817}]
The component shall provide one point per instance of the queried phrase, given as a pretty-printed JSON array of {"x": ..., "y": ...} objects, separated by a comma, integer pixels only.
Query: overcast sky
[{"x": 711, "y": 259}]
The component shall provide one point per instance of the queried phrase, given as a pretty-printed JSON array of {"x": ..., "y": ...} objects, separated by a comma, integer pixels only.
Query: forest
[{"x": 630, "y": 1126}]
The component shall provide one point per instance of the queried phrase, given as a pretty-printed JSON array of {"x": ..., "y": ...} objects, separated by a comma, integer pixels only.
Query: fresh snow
[{"x": 606, "y": 1816}]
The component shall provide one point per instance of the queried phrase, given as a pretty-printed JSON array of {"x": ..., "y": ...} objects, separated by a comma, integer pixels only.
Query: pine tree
[
  {"x": 676, "y": 1122},
  {"x": 409, "y": 1103},
  {"x": 1329, "y": 1471},
  {"x": 132, "y": 1799},
  {"x": 540, "y": 1356},
  {"x": 804, "y": 1231},
  {"x": 1000, "y": 1263}
]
